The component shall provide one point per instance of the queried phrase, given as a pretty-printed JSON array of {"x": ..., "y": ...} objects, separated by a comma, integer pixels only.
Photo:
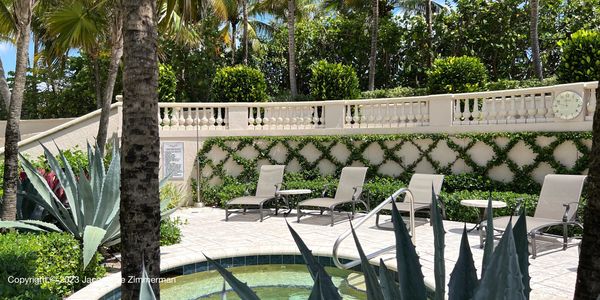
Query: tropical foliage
[
  {"x": 331, "y": 81},
  {"x": 239, "y": 84},
  {"x": 580, "y": 59},
  {"x": 456, "y": 75}
]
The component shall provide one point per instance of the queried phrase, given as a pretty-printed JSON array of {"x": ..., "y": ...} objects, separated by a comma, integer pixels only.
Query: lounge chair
[
  {"x": 348, "y": 190},
  {"x": 420, "y": 187},
  {"x": 269, "y": 182},
  {"x": 558, "y": 191}
]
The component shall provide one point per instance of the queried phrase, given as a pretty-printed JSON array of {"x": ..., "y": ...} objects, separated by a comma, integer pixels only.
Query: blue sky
[{"x": 8, "y": 53}]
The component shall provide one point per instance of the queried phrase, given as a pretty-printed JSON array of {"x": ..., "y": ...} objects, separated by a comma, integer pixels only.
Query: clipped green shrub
[
  {"x": 396, "y": 92},
  {"x": 167, "y": 83},
  {"x": 507, "y": 84},
  {"x": 170, "y": 233},
  {"x": 239, "y": 84},
  {"x": 580, "y": 60},
  {"x": 456, "y": 75},
  {"x": 173, "y": 193},
  {"x": 333, "y": 81},
  {"x": 457, "y": 212},
  {"x": 53, "y": 259}
]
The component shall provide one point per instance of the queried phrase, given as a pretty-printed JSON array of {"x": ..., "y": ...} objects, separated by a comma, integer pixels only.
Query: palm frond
[{"x": 76, "y": 25}]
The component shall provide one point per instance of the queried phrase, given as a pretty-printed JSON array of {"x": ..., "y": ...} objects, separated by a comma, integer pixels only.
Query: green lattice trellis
[{"x": 357, "y": 144}]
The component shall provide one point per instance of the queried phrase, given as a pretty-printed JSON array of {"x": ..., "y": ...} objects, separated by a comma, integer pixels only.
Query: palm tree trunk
[
  {"x": 113, "y": 68},
  {"x": 588, "y": 271},
  {"x": 245, "y": 15},
  {"x": 233, "y": 32},
  {"x": 428, "y": 19},
  {"x": 535, "y": 41},
  {"x": 4, "y": 89},
  {"x": 11, "y": 148},
  {"x": 98, "y": 81},
  {"x": 140, "y": 207},
  {"x": 292, "y": 47},
  {"x": 374, "y": 32}
]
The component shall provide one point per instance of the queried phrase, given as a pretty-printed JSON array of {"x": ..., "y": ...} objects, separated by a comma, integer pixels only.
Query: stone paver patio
[{"x": 553, "y": 273}]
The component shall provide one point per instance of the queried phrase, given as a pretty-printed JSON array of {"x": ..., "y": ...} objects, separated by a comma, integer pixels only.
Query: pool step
[{"x": 357, "y": 281}]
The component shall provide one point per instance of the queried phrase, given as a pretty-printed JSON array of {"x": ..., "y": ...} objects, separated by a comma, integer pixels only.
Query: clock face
[{"x": 567, "y": 105}]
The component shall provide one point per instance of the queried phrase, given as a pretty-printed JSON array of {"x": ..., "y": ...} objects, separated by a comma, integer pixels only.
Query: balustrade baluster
[
  {"x": 181, "y": 119},
  {"x": 522, "y": 110},
  {"x": 356, "y": 116},
  {"x": 166, "y": 120},
  {"x": 548, "y": 100},
  {"x": 502, "y": 112},
  {"x": 541, "y": 108},
  {"x": 219, "y": 119},
  {"x": 484, "y": 110},
  {"x": 211, "y": 118},
  {"x": 418, "y": 115},
  {"x": 175, "y": 118},
  {"x": 188, "y": 119},
  {"x": 512, "y": 113},
  {"x": 425, "y": 111},
  {"x": 531, "y": 110},
  {"x": 476, "y": 115},
  {"x": 457, "y": 111},
  {"x": 251, "y": 118}
]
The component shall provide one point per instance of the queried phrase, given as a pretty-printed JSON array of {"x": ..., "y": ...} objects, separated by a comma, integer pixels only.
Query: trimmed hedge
[
  {"x": 53, "y": 258},
  {"x": 456, "y": 75},
  {"x": 239, "y": 84},
  {"x": 330, "y": 81},
  {"x": 580, "y": 60}
]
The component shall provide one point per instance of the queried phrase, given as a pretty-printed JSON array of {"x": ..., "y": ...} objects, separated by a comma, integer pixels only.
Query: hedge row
[{"x": 53, "y": 258}]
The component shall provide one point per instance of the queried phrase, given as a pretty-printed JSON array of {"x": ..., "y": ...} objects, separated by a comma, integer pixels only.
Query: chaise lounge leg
[
  {"x": 332, "y": 218},
  {"x": 481, "y": 237},
  {"x": 226, "y": 213},
  {"x": 565, "y": 236},
  {"x": 533, "y": 246},
  {"x": 299, "y": 214},
  {"x": 260, "y": 210}
]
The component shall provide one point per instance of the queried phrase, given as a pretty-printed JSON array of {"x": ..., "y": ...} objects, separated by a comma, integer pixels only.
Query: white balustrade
[
  {"x": 388, "y": 113},
  {"x": 519, "y": 106}
]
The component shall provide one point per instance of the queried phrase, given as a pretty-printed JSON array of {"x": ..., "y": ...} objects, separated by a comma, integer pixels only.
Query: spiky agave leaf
[
  {"x": 410, "y": 275},
  {"x": 503, "y": 279},
  {"x": 463, "y": 279},
  {"x": 92, "y": 238},
  {"x": 439, "y": 266},
  {"x": 146, "y": 292},
  {"x": 489, "y": 238},
  {"x": 522, "y": 246},
  {"x": 389, "y": 287},
  {"x": 374, "y": 291},
  {"x": 328, "y": 289},
  {"x": 240, "y": 288}
]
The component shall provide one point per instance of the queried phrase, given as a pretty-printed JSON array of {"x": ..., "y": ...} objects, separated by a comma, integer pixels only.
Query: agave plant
[
  {"x": 506, "y": 273},
  {"x": 27, "y": 209},
  {"x": 92, "y": 213}
]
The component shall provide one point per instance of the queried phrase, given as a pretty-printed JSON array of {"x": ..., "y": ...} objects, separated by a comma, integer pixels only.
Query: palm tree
[
  {"x": 231, "y": 13},
  {"x": 290, "y": 10},
  {"x": 89, "y": 25},
  {"x": 140, "y": 207},
  {"x": 15, "y": 20},
  {"x": 374, "y": 38},
  {"x": 534, "y": 37}
]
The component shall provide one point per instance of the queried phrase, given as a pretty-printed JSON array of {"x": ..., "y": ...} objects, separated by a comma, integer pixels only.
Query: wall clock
[{"x": 567, "y": 105}]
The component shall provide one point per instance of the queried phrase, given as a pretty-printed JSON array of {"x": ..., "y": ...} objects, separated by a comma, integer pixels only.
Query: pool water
[{"x": 269, "y": 282}]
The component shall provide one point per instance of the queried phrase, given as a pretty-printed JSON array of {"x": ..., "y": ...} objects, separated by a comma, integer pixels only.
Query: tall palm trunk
[
  {"x": 233, "y": 46},
  {"x": 11, "y": 148},
  {"x": 113, "y": 68},
  {"x": 4, "y": 89},
  {"x": 534, "y": 37},
  {"x": 97, "y": 80},
  {"x": 140, "y": 207},
  {"x": 245, "y": 33},
  {"x": 429, "y": 20},
  {"x": 588, "y": 272},
  {"x": 374, "y": 32},
  {"x": 292, "y": 47}
]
